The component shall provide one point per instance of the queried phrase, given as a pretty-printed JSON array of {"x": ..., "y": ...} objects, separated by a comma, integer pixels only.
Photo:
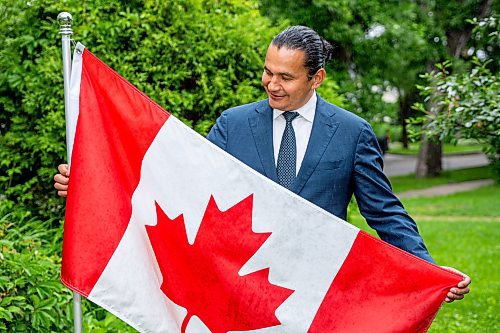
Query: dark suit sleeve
[
  {"x": 377, "y": 203},
  {"x": 218, "y": 133}
]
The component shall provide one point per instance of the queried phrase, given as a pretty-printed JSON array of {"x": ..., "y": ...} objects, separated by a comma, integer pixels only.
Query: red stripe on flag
[
  {"x": 116, "y": 125},
  {"x": 374, "y": 292}
]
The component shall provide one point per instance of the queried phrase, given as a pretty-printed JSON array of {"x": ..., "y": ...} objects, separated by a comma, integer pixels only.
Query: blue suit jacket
[{"x": 342, "y": 159}]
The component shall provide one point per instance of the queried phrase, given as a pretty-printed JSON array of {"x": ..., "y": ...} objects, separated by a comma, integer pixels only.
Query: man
[{"x": 315, "y": 149}]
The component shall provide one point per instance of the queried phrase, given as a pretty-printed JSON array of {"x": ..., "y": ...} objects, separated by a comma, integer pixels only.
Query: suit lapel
[
  {"x": 321, "y": 134},
  {"x": 261, "y": 124}
]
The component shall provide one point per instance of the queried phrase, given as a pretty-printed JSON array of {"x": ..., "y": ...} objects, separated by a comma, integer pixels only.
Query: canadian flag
[{"x": 172, "y": 234}]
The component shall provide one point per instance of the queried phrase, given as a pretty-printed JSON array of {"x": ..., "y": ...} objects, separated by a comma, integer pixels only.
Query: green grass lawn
[
  {"x": 461, "y": 148},
  {"x": 483, "y": 202},
  {"x": 463, "y": 231},
  {"x": 408, "y": 182}
]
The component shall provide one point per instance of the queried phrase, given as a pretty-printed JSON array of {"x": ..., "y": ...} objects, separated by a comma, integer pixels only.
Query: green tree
[
  {"x": 195, "y": 58},
  {"x": 451, "y": 29},
  {"x": 387, "y": 45},
  {"x": 381, "y": 46},
  {"x": 467, "y": 103}
]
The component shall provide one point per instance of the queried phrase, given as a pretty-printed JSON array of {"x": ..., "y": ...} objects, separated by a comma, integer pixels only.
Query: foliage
[
  {"x": 194, "y": 57},
  {"x": 31, "y": 297},
  {"x": 382, "y": 47},
  {"x": 392, "y": 56},
  {"x": 469, "y": 103}
]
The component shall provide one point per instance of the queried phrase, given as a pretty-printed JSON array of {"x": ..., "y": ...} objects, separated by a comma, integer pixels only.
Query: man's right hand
[{"x": 61, "y": 180}]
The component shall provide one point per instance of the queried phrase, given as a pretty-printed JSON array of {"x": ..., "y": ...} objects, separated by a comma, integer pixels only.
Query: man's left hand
[{"x": 458, "y": 292}]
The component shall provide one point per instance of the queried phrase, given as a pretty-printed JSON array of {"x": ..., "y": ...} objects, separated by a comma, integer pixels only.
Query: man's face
[{"x": 285, "y": 78}]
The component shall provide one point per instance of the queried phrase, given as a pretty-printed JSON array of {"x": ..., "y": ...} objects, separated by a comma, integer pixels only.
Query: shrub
[
  {"x": 465, "y": 105},
  {"x": 31, "y": 296},
  {"x": 195, "y": 58}
]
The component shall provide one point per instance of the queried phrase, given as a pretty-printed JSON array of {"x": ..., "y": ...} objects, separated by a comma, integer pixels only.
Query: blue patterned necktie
[{"x": 287, "y": 156}]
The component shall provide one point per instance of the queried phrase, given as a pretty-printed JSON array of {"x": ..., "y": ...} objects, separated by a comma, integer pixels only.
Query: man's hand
[
  {"x": 462, "y": 288},
  {"x": 61, "y": 180}
]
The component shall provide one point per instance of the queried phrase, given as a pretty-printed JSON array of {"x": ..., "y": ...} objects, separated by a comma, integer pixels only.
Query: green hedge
[
  {"x": 195, "y": 58},
  {"x": 32, "y": 298}
]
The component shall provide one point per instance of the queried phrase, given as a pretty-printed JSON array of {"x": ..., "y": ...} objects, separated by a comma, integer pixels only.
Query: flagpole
[{"x": 65, "y": 19}]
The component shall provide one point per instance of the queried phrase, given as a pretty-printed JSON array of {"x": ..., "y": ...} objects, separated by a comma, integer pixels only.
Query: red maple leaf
[{"x": 203, "y": 277}]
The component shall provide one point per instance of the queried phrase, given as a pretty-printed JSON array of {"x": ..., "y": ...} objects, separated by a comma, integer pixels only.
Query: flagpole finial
[{"x": 65, "y": 19}]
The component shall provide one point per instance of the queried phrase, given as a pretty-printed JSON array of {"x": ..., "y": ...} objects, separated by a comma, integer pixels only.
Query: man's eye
[{"x": 287, "y": 78}]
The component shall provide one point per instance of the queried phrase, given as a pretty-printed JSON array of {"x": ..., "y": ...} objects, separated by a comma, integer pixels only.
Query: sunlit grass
[
  {"x": 483, "y": 202},
  {"x": 397, "y": 148},
  {"x": 409, "y": 182},
  {"x": 463, "y": 231},
  {"x": 472, "y": 247}
]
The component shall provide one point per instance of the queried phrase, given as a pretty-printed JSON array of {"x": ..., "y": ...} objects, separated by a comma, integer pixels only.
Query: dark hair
[{"x": 317, "y": 50}]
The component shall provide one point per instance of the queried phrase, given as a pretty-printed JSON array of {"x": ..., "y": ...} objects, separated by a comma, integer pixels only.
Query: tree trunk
[
  {"x": 404, "y": 129},
  {"x": 430, "y": 154},
  {"x": 406, "y": 100},
  {"x": 429, "y": 158},
  {"x": 457, "y": 39}
]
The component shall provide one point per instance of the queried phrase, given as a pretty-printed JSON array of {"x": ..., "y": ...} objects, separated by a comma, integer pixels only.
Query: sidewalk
[
  {"x": 399, "y": 165},
  {"x": 446, "y": 189}
]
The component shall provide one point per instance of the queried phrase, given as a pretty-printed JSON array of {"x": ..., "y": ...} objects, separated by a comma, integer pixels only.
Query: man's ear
[{"x": 318, "y": 78}]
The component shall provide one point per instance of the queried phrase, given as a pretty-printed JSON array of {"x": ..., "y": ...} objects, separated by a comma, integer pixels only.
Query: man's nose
[{"x": 274, "y": 84}]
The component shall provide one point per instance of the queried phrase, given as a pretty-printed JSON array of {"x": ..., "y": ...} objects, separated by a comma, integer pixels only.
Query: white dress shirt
[{"x": 302, "y": 126}]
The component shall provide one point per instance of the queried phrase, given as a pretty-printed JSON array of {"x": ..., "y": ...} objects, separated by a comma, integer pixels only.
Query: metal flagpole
[{"x": 65, "y": 20}]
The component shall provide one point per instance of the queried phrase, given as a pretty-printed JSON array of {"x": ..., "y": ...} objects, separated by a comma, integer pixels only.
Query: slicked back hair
[{"x": 317, "y": 50}]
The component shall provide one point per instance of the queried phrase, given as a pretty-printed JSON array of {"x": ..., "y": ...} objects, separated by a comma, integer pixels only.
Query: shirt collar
[{"x": 306, "y": 111}]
